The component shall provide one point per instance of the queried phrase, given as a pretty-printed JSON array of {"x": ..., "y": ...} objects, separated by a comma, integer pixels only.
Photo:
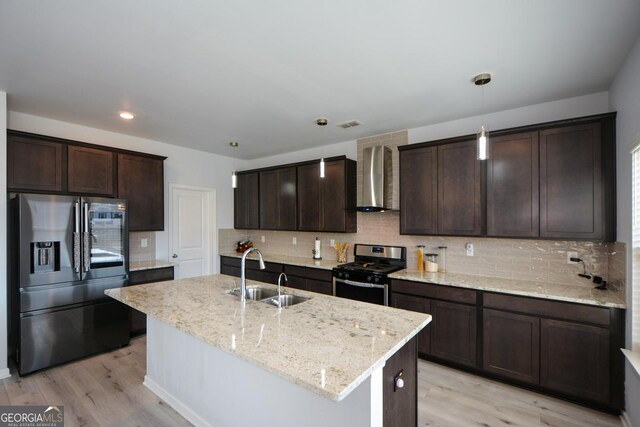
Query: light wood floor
[{"x": 107, "y": 390}]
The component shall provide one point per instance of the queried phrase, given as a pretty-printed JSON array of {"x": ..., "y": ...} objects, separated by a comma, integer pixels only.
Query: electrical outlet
[
  {"x": 332, "y": 242},
  {"x": 262, "y": 239},
  {"x": 143, "y": 243},
  {"x": 571, "y": 255},
  {"x": 294, "y": 241},
  {"x": 469, "y": 247}
]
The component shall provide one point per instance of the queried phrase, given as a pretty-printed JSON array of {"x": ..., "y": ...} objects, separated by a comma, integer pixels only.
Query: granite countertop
[
  {"x": 571, "y": 293},
  {"x": 325, "y": 264},
  {"x": 150, "y": 265},
  {"x": 328, "y": 345}
]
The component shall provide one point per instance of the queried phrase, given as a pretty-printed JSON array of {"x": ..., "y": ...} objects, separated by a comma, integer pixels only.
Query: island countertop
[{"x": 328, "y": 345}]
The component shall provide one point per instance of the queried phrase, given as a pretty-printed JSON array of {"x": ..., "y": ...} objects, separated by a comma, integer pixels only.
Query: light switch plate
[
  {"x": 262, "y": 239},
  {"x": 571, "y": 255},
  {"x": 294, "y": 241},
  {"x": 332, "y": 242},
  {"x": 144, "y": 243}
]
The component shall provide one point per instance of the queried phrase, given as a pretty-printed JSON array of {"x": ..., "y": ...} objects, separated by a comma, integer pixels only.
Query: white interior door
[{"x": 192, "y": 219}]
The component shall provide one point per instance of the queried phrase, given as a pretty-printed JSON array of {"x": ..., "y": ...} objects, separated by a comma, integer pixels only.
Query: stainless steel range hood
[{"x": 377, "y": 179}]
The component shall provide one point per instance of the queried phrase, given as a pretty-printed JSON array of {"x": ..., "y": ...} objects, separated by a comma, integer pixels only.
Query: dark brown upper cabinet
[
  {"x": 512, "y": 186},
  {"x": 90, "y": 170},
  {"x": 278, "y": 199},
  {"x": 459, "y": 189},
  {"x": 571, "y": 184},
  {"x": 141, "y": 183},
  {"x": 327, "y": 204},
  {"x": 35, "y": 164},
  {"x": 553, "y": 180},
  {"x": 440, "y": 190},
  {"x": 419, "y": 191},
  {"x": 246, "y": 201}
]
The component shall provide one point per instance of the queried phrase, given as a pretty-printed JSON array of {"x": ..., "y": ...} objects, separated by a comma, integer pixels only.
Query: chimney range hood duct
[{"x": 377, "y": 179}]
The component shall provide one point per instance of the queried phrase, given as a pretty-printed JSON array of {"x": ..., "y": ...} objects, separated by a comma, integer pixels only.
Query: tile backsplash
[
  {"x": 539, "y": 260},
  {"x": 136, "y": 252}
]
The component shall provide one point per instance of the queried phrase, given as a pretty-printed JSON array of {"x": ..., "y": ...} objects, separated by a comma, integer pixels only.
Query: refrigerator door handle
[
  {"x": 76, "y": 239},
  {"x": 86, "y": 260}
]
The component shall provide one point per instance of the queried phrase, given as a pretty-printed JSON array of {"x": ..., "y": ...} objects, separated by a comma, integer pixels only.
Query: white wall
[
  {"x": 579, "y": 106},
  {"x": 183, "y": 166},
  {"x": 4, "y": 371},
  {"x": 625, "y": 98},
  {"x": 347, "y": 148}
]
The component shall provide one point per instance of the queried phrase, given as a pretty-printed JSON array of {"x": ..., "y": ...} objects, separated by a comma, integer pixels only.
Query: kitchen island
[{"x": 317, "y": 363}]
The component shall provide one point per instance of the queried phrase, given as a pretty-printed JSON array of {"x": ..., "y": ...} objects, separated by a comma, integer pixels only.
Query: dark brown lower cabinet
[
  {"x": 309, "y": 279},
  {"x": 401, "y": 404},
  {"x": 454, "y": 332},
  {"x": 421, "y": 305},
  {"x": 511, "y": 344},
  {"x": 565, "y": 349},
  {"x": 575, "y": 359},
  {"x": 139, "y": 277}
]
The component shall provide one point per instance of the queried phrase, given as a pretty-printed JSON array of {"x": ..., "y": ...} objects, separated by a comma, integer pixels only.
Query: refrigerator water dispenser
[{"x": 44, "y": 257}]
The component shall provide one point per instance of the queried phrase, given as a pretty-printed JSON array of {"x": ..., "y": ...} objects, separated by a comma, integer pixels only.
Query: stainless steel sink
[
  {"x": 255, "y": 293},
  {"x": 284, "y": 300}
]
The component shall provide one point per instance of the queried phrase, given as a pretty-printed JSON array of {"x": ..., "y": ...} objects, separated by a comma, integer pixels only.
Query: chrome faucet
[
  {"x": 286, "y": 280},
  {"x": 243, "y": 279}
]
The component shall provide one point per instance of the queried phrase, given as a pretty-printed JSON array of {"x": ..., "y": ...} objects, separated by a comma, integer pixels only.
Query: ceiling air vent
[{"x": 349, "y": 124}]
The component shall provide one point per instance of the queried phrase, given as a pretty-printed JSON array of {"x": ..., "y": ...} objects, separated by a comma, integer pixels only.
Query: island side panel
[{"x": 214, "y": 388}]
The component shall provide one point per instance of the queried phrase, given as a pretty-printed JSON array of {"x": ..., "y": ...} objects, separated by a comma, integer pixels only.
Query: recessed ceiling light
[
  {"x": 233, "y": 144},
  {"x": 126, "y": 115}
]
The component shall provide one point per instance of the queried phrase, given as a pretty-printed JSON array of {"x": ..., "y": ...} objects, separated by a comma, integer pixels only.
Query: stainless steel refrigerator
[{"x": 64, "y": 251}]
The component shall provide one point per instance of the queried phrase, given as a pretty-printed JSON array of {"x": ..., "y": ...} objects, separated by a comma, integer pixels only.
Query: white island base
[{"x": 211, "y": 387}]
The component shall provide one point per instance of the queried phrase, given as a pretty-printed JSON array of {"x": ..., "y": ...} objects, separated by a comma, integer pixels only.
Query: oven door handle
[{"x": 360, "y": 284}]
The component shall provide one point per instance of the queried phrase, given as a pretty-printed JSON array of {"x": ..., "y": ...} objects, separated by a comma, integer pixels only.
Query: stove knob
[
  {"x": 376, "y": 279},
  {"x": 340, "y": 274},
  {"x": 346, "y": 275},
  {"x": 369, "y": 278}
]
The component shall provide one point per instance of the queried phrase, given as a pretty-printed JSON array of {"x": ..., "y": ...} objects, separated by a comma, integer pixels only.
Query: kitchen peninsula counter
[{"x": 329, "y": 346}]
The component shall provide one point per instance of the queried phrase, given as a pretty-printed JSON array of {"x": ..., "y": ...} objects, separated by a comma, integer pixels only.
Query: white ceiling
[{"x": 202, "y": 73}]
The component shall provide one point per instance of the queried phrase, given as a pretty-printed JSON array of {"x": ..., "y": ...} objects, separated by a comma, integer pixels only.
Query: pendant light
[
  {"x": 322, "y": 121},
  {"x": 483, "y": 148},
  {"x": 234, "y": 180}
]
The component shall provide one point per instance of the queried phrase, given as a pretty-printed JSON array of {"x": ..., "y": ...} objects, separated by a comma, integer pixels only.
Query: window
[{"x": 635, "y": 254}]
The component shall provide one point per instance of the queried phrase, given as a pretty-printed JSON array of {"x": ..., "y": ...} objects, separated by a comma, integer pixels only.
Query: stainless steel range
[{"x": 366, "y": 279}]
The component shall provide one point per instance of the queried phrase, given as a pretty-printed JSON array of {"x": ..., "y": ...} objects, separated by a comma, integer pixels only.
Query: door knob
[
  {"x": 398, "y": 382},
  {"x": 174, "y": 256}
]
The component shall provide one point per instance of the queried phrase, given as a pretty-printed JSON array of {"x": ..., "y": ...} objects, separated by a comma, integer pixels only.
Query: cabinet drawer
[
  {"x": 309, "y": 273},
  {"x": 538, "y": 307},
  {"x": 230, "y": 261},
  {"x": 320, "y": 286},
  {"x": 448, "y": 293},
  {"x": 271, "y": 267},
  {"x": 148, "y": 276}
]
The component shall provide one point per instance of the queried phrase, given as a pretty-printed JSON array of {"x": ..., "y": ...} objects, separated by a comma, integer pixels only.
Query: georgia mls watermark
[{"x": 31, "y": 416}]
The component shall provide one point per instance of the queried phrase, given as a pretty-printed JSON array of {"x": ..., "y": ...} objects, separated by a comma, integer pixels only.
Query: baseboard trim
[
  {"x": 5, "y": 373},
  {"x": 626, "y": 422},
  {"x": 176, "y": 404}
]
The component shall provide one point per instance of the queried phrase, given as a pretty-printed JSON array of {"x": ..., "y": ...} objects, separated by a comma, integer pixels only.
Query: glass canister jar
[
  {"x": 442, "y": 261},
  {"x": 431, "y": 263}
]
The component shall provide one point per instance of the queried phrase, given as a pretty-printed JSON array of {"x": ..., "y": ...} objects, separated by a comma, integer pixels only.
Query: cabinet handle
[{"x": 174, "y": 256}]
